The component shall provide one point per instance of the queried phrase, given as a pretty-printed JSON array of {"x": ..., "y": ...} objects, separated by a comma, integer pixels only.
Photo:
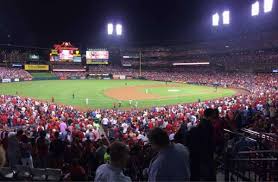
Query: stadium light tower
[
  {"x": 226, "y": 17},
  {"x": 119, "y": 29},
  {"x": 110, "y": 28},
  {"x": 215, "y": 20},
  {"x": 255, "y": 10},
  {"x": 268, "y": 4}
]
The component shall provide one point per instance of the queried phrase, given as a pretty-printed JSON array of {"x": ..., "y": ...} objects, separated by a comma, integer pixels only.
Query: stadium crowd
[
  {"x": 69, "y": 74},
  {"x": 12, "y": 73},
  {"x": 40, "y": 134}
]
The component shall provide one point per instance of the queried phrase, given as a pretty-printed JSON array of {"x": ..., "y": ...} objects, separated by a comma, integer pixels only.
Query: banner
[
  {"x": 16, "y": 79},
  {"x": 31, "y": 67},
  {"x": 6, "y": 80},
  {"x": 122, "y": 77},
  {"x": 17, "y": 65}
]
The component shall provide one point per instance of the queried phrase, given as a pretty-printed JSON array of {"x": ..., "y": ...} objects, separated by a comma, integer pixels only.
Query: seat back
[
  {"x": 53, "y": 174},
  {"x": 22, "y": 172},
  {"x": 38, "y": 174},
  {"x": 7, "y": 173}
]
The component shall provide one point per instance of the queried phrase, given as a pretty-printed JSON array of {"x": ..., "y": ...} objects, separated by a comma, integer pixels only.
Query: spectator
[
  {"x": 77, "y": 172},
  {"x": 113, "y": 171},
  {"x": 14, "y": 148},
  {"x": 57, "y": 149},
  {"x": 201, "y": 147},
  {"x": 2, "y": 156},
  {"x": 100, "y": 152},
  {"x": 42, "y": 150},
  {"x": 172, "y": 160},
  {"x": 26, "y": 152}
]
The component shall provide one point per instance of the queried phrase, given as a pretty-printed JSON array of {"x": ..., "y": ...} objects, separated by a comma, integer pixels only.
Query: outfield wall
[{"x": 8, "y": 80}]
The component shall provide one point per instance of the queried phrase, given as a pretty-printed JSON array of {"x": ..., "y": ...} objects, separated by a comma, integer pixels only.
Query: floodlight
[
  {"x": 255, "y": 9},
  {"x": 215, "y": 19},
  {"x": 119, "y": 29},
  {"x": 110, "y": 28},
  {"x": 268, "y": 5},
  {"x": 226, "y": 17}
]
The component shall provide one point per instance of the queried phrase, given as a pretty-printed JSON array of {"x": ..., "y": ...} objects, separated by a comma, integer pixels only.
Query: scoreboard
[
  {"x": 65, "y": 52},
  {"x": 97, "y": 56}
]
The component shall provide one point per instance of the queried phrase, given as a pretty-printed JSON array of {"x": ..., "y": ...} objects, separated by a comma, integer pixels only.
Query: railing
[
  {"x": 271, "y": 139},
  {"x": 252, "y": 169},
  {"x": 254, "y": 164}
]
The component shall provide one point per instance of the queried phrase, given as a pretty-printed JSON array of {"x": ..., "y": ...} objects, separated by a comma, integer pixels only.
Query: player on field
[
  {"x": 216, "y": 87},
  {"x": 73, "y": 96}
]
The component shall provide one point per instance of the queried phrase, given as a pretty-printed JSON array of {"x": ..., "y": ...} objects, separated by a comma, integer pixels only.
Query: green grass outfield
[{"x": 62, "y": 91}]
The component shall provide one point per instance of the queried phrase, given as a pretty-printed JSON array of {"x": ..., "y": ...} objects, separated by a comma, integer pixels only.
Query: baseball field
[{"x": 107, "y": 93}]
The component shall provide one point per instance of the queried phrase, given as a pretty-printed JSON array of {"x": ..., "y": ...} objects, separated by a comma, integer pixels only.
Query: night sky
[{"x": 45, "y": 22}]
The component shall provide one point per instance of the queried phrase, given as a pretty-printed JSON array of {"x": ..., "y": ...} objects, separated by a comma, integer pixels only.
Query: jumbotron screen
[
  {"x": 65, "y": 56},
  {"x": 97, "y": 56}
]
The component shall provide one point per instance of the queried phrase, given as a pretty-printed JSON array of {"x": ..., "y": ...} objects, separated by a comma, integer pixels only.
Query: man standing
[
  {"x": 13, "y": 151},
  {"x": 57, "y": 149},
  {"x": 201, "y": 146},
  {"x": 172, "y": 160},
  {"x": 73, "y": 96},
  {"x": 114, "y": 171}
]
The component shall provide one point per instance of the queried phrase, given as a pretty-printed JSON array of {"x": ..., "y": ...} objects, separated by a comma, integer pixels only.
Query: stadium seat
[
  {"x": 22, "y": 172},
  {"x": 6, "y": 173},
  {"x": 38, "y": 174},
  {"x": 53, "y": 174}
]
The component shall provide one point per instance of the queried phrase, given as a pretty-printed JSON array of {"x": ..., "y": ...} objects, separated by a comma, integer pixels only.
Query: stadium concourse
[{"x": 72, "y": 143}]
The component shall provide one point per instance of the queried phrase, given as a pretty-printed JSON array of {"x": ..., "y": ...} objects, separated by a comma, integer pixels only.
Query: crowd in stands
[
  {"x": 12, "y": 73},
  {"x": 243, "y": 60},
  {"x": 83, "y": 143},
  {"x": 70, "y": 74}
]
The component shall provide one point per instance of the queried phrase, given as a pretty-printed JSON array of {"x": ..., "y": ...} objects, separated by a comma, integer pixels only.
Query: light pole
[{"x": 140, "y": 63}]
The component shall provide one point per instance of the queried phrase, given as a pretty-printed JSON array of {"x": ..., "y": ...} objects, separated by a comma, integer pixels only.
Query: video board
[
  {"x": 65, "y": 53},
  {"x": 97, "y": 56}
]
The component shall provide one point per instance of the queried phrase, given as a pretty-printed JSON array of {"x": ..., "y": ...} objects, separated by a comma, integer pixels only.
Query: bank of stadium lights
[
  {"x": 119, "y": 29},
  {"x": 268, "y": 4},
  {"x": 255, "y": 10},
  {"x": 112, "y": 29},
  {"x": 215, "y": 20},
  {"x": 225, "y": 18}
]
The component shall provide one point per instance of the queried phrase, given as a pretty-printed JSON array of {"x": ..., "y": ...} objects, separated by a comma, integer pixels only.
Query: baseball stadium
[{"x": 147, "y": 90}]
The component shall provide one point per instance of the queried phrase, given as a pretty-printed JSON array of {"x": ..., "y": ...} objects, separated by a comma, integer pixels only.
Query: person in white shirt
[
  {"x": 105, "y": 121},
  {"x": 125, "y": 127},
  {"x": 119, "y": 155}
]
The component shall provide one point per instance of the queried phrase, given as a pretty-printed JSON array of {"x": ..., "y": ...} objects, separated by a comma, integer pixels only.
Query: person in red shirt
[{"x": 77, "y": 172}]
